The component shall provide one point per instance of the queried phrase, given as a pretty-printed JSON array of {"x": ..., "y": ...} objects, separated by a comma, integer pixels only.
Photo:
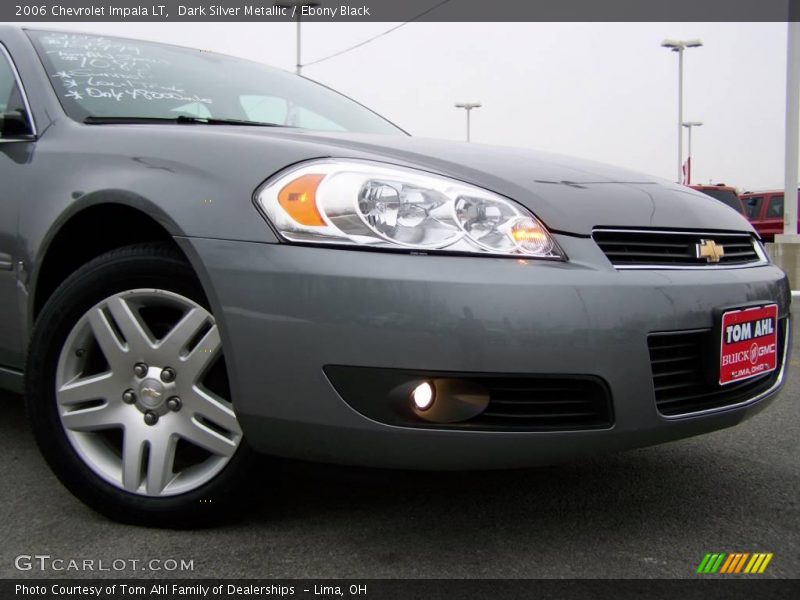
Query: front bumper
[{"x": 286, "y": 312}]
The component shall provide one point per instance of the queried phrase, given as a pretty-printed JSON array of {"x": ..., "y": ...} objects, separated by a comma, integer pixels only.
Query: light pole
[
  {"x": 297, "y": 6},
  {"x": 792, "y": 145},
  {"x": 679, "y": 46},
  {"x": 689, "y": 125},
  {"x": 468, "y": 106}
]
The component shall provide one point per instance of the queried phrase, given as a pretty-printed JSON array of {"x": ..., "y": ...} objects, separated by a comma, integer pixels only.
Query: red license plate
[{"x": 749, "y": 345}]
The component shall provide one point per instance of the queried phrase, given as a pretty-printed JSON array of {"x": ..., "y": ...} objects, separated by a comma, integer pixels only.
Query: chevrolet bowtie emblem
[
  {"x": 151, "y": 393},
  {"x": 710, "y": 250}
]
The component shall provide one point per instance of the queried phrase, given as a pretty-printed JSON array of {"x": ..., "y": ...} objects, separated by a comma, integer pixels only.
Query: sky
[{"x": 602, "y": 91}]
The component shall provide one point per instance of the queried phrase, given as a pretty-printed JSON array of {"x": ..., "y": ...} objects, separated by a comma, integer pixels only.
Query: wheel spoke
[
  {"x": 202, "y": 355},
  {"x": 104, "y": 416},
  {"x": 112, "y": 348},
  {"x": 201, "y": 435},
  {"x": 132, "y": 452},
  {"x": 96, "y": 387},
  {"x": 160, "y": 462},
  {"x": 127, "y": 320},
  {"x": 184, "y": 331},
  {"x": 212, "y": 408}
]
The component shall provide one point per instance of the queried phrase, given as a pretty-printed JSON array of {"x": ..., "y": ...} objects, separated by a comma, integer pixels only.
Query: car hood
[{"x": 569, "y": 195}]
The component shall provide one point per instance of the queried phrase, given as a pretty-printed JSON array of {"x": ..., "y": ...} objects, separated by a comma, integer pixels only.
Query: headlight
[{"x": 360, "y": 203}]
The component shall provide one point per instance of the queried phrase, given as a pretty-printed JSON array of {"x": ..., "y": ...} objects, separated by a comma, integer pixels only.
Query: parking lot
[{"x": 653, "y": 512}]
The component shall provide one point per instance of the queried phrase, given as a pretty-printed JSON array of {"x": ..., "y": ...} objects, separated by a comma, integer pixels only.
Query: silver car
[{"x": 203, "y": 259}]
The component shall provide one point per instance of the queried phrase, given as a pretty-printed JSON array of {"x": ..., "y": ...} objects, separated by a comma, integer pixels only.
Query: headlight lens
[{"x": 360, "y": 203}]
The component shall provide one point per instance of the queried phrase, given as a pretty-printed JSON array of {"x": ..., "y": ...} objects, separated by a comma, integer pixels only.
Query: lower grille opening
[
  {"x": 546, "y": 403},
  {"x": 516, "y": 403},
  {"x": 683, "y": 365}
]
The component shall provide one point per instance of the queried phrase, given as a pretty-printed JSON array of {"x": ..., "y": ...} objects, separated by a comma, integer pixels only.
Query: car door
[
  {"x": 752, "y": 209},
  {"x": 17, "y": 135},
  {"x": 773, "y": 215},
  {"x": 752, "y": 206}
]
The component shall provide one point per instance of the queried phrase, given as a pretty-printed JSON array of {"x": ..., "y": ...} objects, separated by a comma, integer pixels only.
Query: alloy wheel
[{"x": 143, "y": 396}]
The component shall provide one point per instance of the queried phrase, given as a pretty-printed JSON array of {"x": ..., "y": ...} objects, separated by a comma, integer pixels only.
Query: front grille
[
  {"x": 684, "y": 365},
  {"x": 545, "y": 403},
  {"x": 672, "y": 249}
]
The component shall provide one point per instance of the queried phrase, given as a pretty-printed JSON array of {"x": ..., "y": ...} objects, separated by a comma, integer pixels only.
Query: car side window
[
  {"x": 13, "y": 115},
  {"x": 752, "y": 206},
  {"x": 775, "y": 208}
]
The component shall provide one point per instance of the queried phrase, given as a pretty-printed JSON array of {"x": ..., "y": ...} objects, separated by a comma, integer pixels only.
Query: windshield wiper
[{"x": 180, "y": 119}]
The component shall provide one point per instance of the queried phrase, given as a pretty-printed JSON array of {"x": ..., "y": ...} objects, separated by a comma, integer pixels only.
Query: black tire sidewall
[{"x": 148, "y": 267}]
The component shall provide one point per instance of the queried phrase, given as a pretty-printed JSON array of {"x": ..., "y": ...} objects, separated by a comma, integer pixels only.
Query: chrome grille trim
[{"x": 762, "y": 258}]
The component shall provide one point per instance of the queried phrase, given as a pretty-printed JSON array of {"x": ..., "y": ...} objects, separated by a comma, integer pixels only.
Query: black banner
[
  {"x": 400, "y": 11},
  {"x": 394, "y": 589}
]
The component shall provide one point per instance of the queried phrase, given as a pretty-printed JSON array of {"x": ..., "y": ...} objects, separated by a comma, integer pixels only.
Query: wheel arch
[
  {"x": 86, "y": 232},
  {"x": 96, "y": 225}
]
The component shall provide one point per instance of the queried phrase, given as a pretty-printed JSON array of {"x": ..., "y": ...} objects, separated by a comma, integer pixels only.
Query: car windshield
[
  {"x": 98, "y": 76},
  {"x": 728, "y": 197}
]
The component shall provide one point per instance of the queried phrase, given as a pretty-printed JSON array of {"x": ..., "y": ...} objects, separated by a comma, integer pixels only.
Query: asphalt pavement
[{"x": 653, "y": 512}]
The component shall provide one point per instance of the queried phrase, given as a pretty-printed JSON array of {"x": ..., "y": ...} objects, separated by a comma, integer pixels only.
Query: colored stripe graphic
[
  {"x": 703, "y": 563},
  {"x": 740, "y": 564},
  {"x": 711, "y": 562},
  {"x": 758, "y": 563},
  {"x": 728, "y": 563},
  {"x": 754, "y": 563},
  {"x": 734, "y": 563},
  {"x": 718, "y": 563},
  {"x": 766, "y": 562}
]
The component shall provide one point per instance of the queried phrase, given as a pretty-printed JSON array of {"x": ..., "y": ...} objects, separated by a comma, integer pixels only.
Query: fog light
[{"x": 423, "y": 396}]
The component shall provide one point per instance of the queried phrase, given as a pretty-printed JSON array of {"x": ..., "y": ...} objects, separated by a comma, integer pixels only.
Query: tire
[{"x": 101, "y": 398}]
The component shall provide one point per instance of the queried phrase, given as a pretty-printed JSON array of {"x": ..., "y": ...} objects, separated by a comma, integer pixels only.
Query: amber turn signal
[{"x": 299, "y": 199}]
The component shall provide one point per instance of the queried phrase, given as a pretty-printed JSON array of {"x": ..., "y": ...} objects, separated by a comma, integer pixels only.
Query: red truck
[{"x": 765, "y": 211}]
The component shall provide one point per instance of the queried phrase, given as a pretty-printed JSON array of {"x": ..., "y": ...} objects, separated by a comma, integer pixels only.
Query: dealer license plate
[{"x": 749, "y": 345}]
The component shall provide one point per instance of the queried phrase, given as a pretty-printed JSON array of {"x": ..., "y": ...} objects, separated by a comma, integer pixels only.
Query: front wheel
[{"x": 127, "y": 392}]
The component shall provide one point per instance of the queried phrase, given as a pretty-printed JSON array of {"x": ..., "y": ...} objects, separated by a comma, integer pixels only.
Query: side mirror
[{"x": 14, "y": 124}]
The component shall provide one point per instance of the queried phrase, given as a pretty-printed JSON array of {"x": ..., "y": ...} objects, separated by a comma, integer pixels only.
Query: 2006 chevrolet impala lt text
[{"x": 203, "y": 258}]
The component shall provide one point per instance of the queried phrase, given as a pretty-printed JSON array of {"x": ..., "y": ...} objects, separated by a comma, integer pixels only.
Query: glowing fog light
[{"x": 422, "y": 396}]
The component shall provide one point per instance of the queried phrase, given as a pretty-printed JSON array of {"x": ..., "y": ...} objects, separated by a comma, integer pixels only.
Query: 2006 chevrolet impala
[{"x": 203, "y": 258}]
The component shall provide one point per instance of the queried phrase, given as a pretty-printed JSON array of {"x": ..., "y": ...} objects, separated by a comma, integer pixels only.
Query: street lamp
[
  {"x": 468, "y": 106},
  {"x": 789, "y": 235},
  {"x": 689, "y": 125},
  {"x": 297, "y": 5},
  {"x": 679, "y": 46}
]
